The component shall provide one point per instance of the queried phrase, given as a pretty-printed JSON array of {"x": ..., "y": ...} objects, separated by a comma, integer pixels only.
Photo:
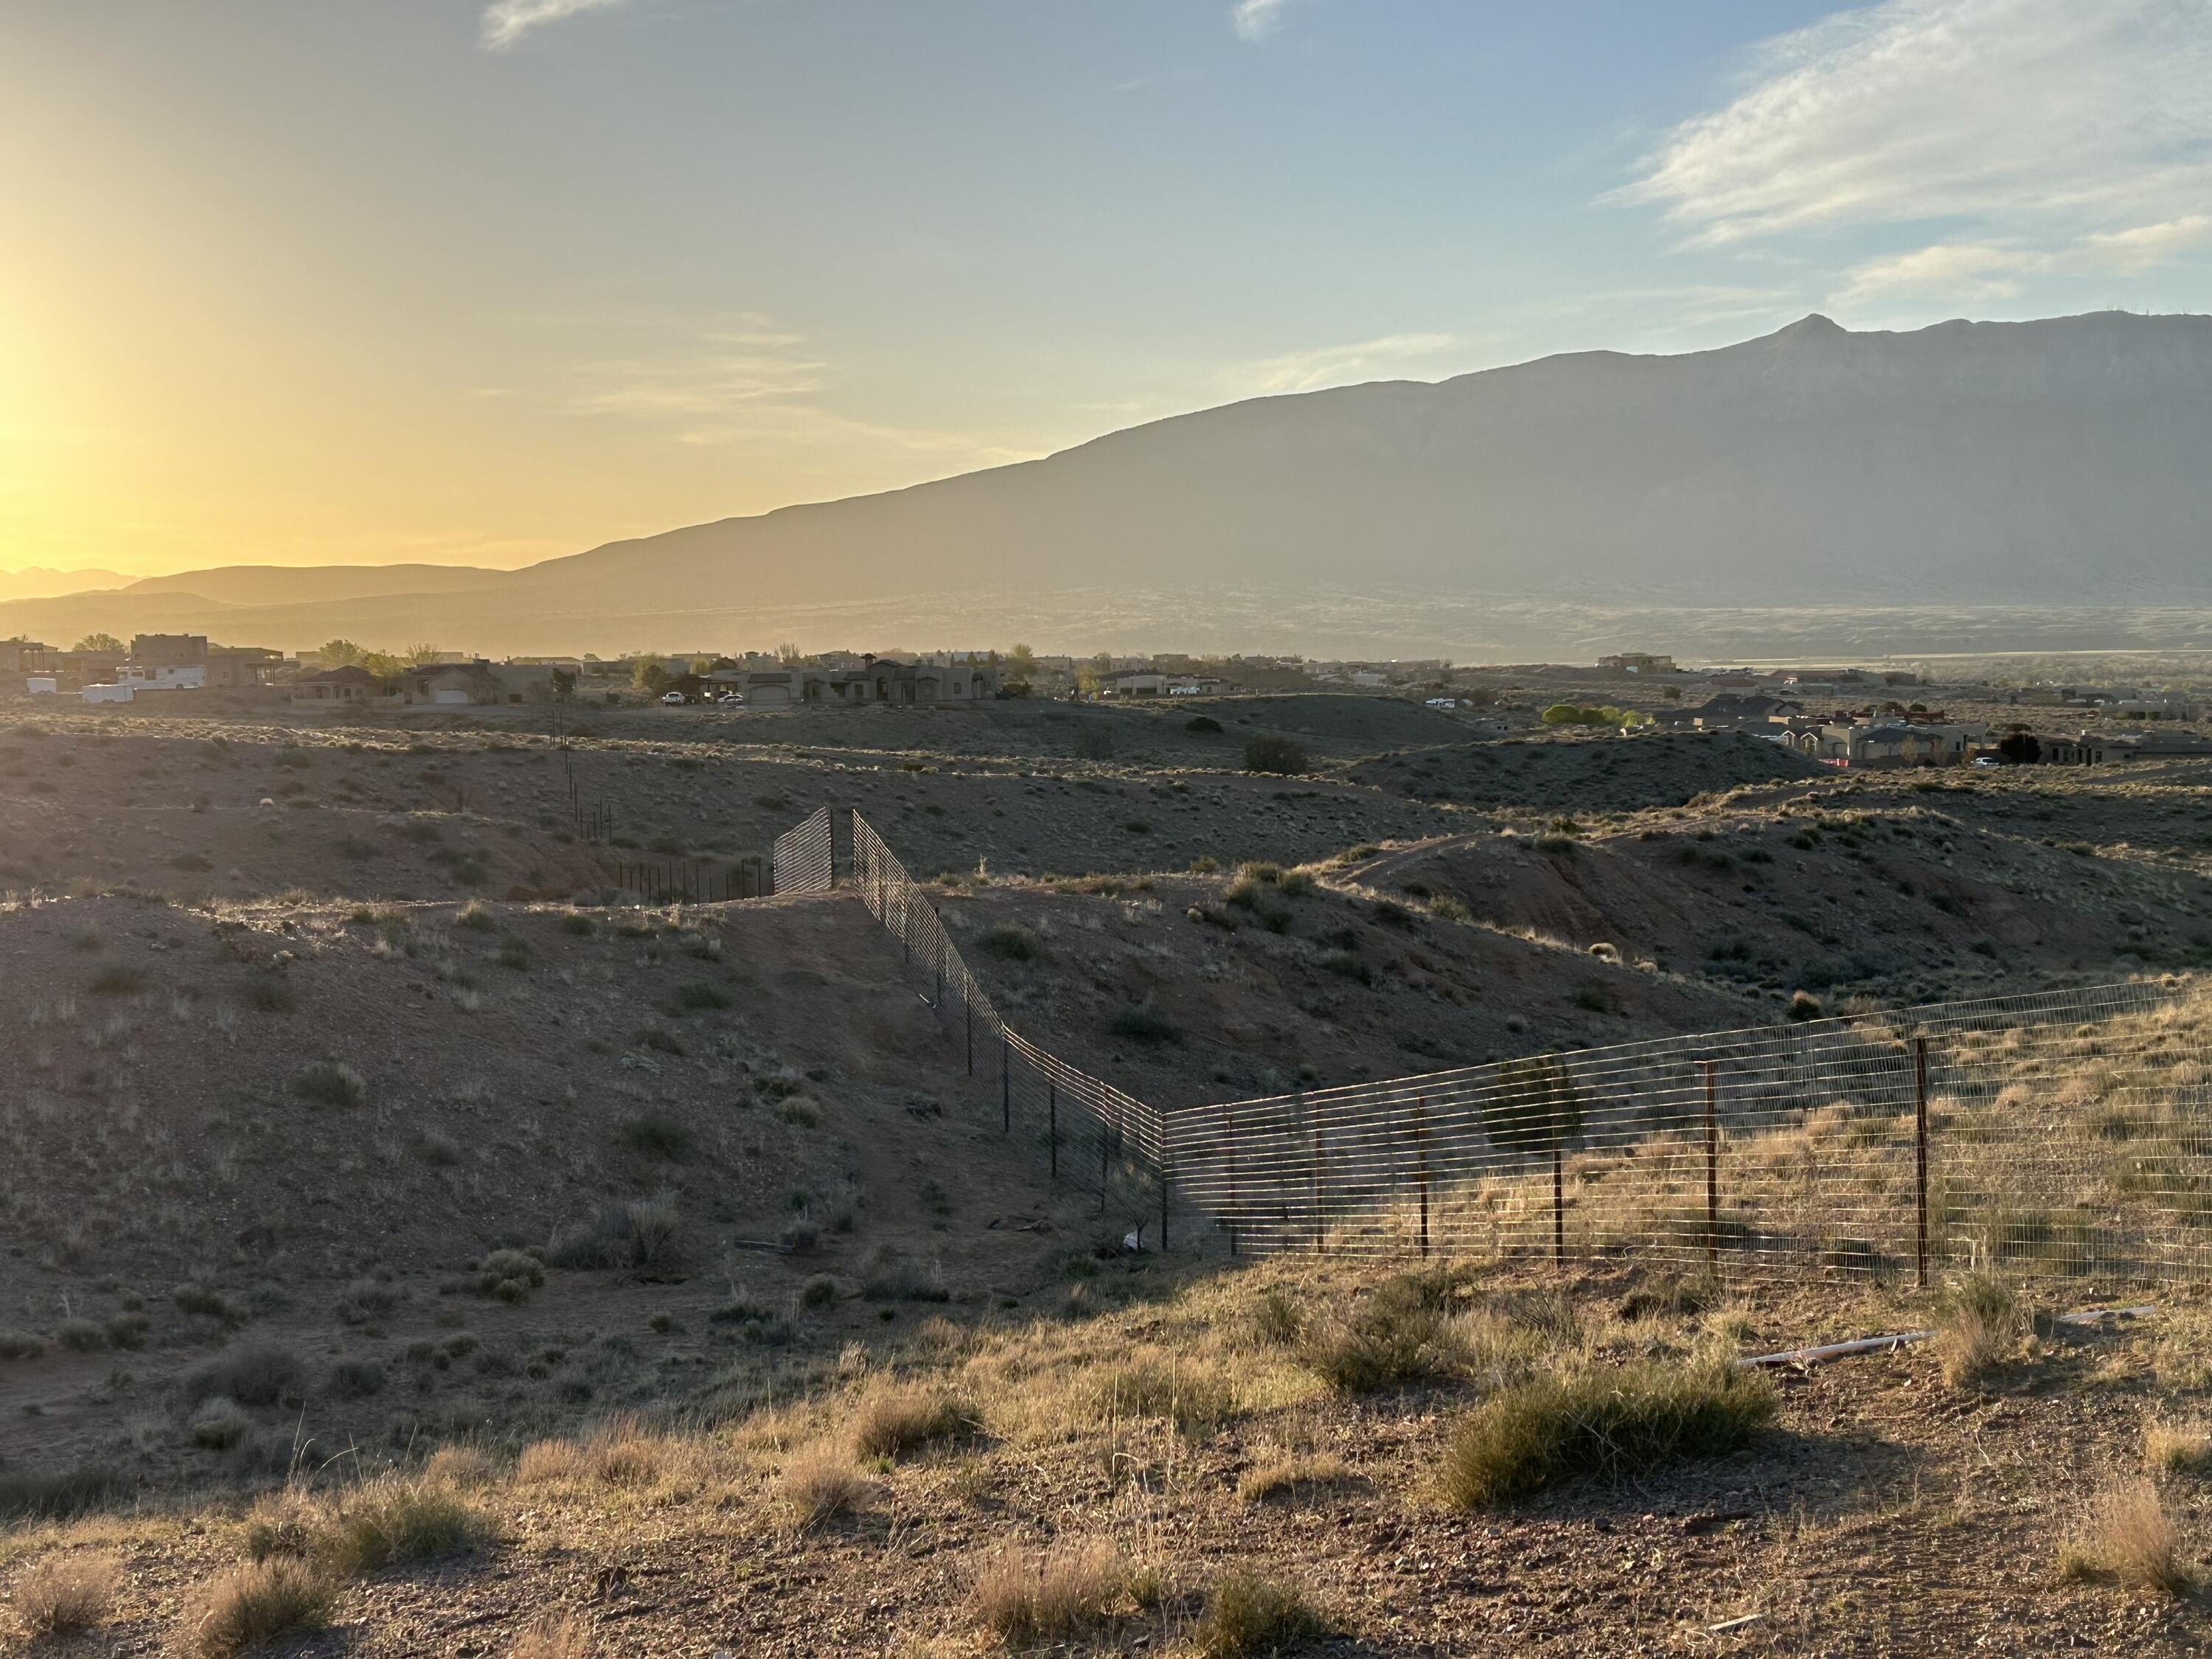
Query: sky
[{"x": 373, "y": 280}]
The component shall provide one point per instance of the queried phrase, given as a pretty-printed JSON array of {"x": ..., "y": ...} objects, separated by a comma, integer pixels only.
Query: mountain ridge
[{"x": 2051, "y": 462}]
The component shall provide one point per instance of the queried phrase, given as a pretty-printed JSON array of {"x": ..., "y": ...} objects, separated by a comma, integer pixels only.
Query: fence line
[
  {"x": 805, "y": 860},
  {"x": 2057, "y": 1132},
  {"x": 1089, "y": 1134}
]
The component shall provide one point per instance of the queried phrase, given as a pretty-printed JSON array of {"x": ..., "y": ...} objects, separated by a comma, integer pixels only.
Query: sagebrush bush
[
  {"x": 259, "y": 1373},
  {"x": 1012, "y": 940},
  {"x": 68, "y": 1595},
  {"x": 658, "y": 1134},
  {"x": 1145, "y": 1024},
  {"x": 1070, "y": 1590},
  {"x": 1246, "y": 1615},
  {"x": 893, "y": 1419},
  {"x": 330, "y": 1083},
  {"x": 254, "y": 1604},
  {"x": 1396, "y": 1335},
  {"x": 2127, "y": 1537},
  {"x": 819, "y": 1483},
  {"x": 887, "y": 1276},
  {"x": 1278, "y": 755},
  {"x": 394, "y": 1520},
  {"x": 1978, "y": 1321},
  {"x": 510, "y": 1275},
  {"x": 1616, "y": 1420}
]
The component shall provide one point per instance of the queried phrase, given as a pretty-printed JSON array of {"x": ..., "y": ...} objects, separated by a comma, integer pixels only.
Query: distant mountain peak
[{"x": 1812, "y": 327}]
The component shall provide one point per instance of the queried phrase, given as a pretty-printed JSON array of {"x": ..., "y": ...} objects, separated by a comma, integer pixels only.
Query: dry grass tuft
[
  {"x": 1068, "y": 1591},
  {"x": 2127, "y": 1538},
  {"x": 1617, "y": 1420},
  {"x": 1397, "y": 1335},
  {"x": 1192, "y": 1395},
  {"x": 1978, "y": 1324},
  {"x": 1289, "y": 1476},
  {"x": 389, "y": 1520},
  {"x": 553, "y": 1638},
  {"x": 622, "y": 1452},
  {"x": 67, "y": 1594},
  {"x": 893, "y": 1419},
  {"x": 1246, "y": 1615},
  {"x": 257, "y": 1604},
  {"x": 546, "y": 1462},
  {"x": 2178, "y": 1448},
  {"x": 819, "y": 1483},
  {"x": 469, "y": 1468}
]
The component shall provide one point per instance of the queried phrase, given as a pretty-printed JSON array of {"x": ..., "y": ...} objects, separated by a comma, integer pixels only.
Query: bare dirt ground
[{"x": 350, "y": 1112}]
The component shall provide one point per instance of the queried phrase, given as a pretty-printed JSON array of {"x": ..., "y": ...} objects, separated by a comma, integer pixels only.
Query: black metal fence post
[
  {"x": 1712, "y": 1170},
  {"x": 1230, "y": 1131},
  {"x": 1920, "y": 1154},
  {"x": 1005, "y": 1084},
  {"x": 1559, "y": 1204},
  {"x": 1052, "y": 1120},
  {"x": 1421, "y": 1161}
]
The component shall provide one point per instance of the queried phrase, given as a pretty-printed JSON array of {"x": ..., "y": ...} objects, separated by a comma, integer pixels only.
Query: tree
[
  {"x": 1021, "y": 663},
  {"x": 789, "y": 655},
  {"x": 1535, "y": 1109},
  {"x": 564, "y": 684},
  {"x": 419, "y": 656},
  {"x": 101, "y": 642},
  {"x": 649, "y": 674},
  {"x": 1276, "y": 755},
  {"x": 337, "y": 654},
  {"x": 2020, "y": 748}
]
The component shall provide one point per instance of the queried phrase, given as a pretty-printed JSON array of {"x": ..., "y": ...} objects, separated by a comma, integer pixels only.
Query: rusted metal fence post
[
  {"x": 1712, "y": 1169},
  {"x": 1163, "y": 1203},
  {"x": 1229, "y": 1133},
  {"x": 1920, "y": 1154},
  {"x": 1421, "y": 1161},
  {"x": 1558, "y": 1203},
  {"x": 1314, "y": 1175}
]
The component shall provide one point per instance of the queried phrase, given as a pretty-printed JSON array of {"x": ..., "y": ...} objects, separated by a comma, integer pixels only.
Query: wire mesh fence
[
  {"x": 1087, "y": 1135},
  {"x": 691, "y": 881},
  {"x": 804, "y": 859},
  {"x": 2066, "y": 1133}
]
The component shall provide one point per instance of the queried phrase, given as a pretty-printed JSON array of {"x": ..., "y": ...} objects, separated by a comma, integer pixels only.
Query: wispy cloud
[
  {"x": 1988, "y": 271},
  {"x": 1342, "y": 365},
  {"x": 2047, "y": 138},
  {"x": 506, "y": 21},
  {"x": 1254, "y": 19}
]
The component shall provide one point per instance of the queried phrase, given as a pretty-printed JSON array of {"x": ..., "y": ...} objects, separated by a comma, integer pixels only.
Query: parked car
[
  {"x": 731, "y": 700},
  {"x": 674, "y": 699},
  {"x": 1988, "y": 759}
]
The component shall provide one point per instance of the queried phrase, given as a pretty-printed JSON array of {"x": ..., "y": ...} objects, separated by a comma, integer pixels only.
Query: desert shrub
[
  {"x": 818, "y": 1291},
  {"x": 477, "y": 918},
  {"x": 2178, "y": 1448},
  {"x": 510, "y": 1275},
  {"x": 357, "y": 1379},
  {"x": 1144, "y": 1023},
  {"x": 117, "y": 980},
  {"x": 127, "y": 1330},
  {"x": 20, "y": 1345},
  {"x": 1346, "y": 964},
  {"x": 700, "y": 999},
  {"x": 819, "y": 1483},
  {"x": 330, "y": 1083},
  {"x": 1283, "y": 1476},
  {"x": 1012, "y": 940},
  {"x": 1278, "y": 756},
  {"x": 1620, "y": 1420},
  {"x": 270, "y": 993},
  {"x": 365, "y": 1299},
  {"x": 253, "y": 1374},
  {"x": 1803, "y": 1005},
  {"x": 220, "y": 1424},
  {"x": 437, "y": 1148},
  {"x": 658, "y": 1135},
  {"x": 543, "y": 1462},
  {"x": 799, "y": 1110},
  {"x": 395, "y": 1521},
  {"x": 68, "y": 1595},
  {"x": 1276, "y": 1318},
  {"x": 1977, "y": 1322},
  {"x": 1203, "y": 724},
  {"x": 1246, "y": 1615},
  {"x": 253, "y": 1605},
  {"x": 1397, "y": 1335},
  {"x": 2127, "y": 1538},
  {"x": 892, "y": 1420},
  {"x": 1671, "y": 1298},
  {"x": 577, "y": 922},
  {"x": 1075, "y": 1588},
  {"x": 199, "y": 1299},
  {"x": 515, "y": 953},
  {"x": 553, "y": 1638},
  {"x": 889, "y": 1277},
  {"x": 460, "y": 1465},
  {"x": 653, "y": 1225},
  {"x": 1190, "y": 1395},
  {"x": 81, "y": 1336}
]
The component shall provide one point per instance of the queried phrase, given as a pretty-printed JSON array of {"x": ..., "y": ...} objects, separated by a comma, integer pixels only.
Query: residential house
[
  {"x": 878, "y": 680},
  {"x": 1886, "y": 744},
  {"x": 1637, "y": 662},
  {"x": 351, "y": 685},
  {"x": 21, "y": 655},
  {"x": 1731, "y": 712}
]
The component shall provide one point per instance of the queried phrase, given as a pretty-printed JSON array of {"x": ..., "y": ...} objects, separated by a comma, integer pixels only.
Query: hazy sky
[{"x": 299, "y": 281}]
